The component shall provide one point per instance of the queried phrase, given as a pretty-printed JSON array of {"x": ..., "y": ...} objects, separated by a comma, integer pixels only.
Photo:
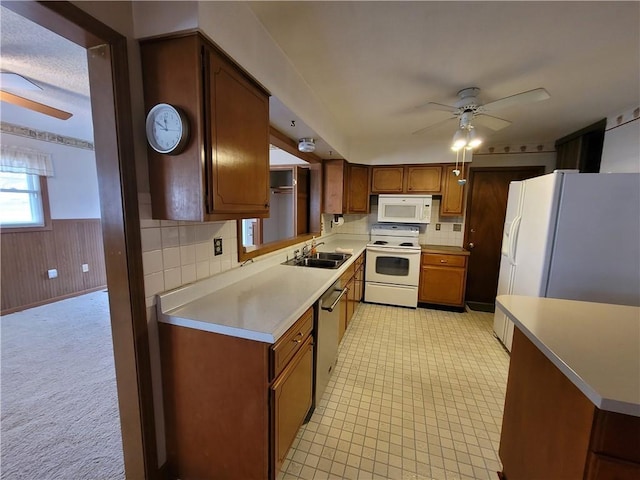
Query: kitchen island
[{"x": 572, "y": 407}]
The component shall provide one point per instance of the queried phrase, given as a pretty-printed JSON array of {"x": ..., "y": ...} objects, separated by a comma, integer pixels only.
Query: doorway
[
  {"x": 114, "y": 149},
  {"x": 486, "y": 209}
]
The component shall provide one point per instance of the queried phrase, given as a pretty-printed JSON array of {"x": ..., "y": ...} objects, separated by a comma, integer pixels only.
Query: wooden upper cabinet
[
  {"x": 452, "y": 203},
  {"x": 358, "y": 189},
  {"x": 346, "y": 187},
  {"x": 423, "y": 179},
  {"x": 223, "y": 172},
  {"x": 387, "y": 179},
  {"x": 239, "y": 139},
  {"x": 406, "y": 179}
]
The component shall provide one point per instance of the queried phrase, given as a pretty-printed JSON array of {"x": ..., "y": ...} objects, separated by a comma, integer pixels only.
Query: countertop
[
  {"x": 444, "y": 249},
  {"x": 596, "y": 345},
  {"x": 257, "y": 303}
]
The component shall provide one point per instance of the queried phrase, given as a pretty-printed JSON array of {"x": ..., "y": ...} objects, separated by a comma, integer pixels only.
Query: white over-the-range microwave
[{"x": 404, "y": 208}]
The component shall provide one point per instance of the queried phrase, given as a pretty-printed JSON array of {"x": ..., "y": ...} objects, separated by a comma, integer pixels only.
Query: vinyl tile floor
[{"x": 416, "y": 394}]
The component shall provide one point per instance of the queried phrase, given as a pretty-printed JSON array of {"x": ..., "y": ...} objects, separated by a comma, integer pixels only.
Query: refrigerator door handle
[{"x": 513, "y": 239}]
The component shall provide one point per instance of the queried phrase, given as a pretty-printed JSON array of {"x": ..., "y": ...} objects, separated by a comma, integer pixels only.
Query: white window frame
[{"x": 38, "y": 201}]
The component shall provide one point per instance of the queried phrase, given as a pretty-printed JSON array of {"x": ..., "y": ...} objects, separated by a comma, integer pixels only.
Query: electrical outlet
[
  {"x": 437, "y": 227},
  {"x": 53, "y": 273},
  {"x": 85, "y": 267},
  {"x": 217, "y": 246},
  {"x": 457, "y": 227}
]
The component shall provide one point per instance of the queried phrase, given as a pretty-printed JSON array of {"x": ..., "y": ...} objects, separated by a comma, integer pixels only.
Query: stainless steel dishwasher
[{"x": 327, "y": 336}]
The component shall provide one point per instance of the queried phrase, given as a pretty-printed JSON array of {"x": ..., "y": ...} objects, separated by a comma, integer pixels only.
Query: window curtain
[{"x": 25, "y": 160}]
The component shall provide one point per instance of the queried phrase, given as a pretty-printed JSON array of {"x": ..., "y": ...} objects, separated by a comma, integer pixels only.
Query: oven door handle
[{"x": 394, "y": 250}]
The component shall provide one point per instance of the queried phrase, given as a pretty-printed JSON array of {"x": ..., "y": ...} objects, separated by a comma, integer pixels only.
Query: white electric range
[{"x": 393, "y": 265}]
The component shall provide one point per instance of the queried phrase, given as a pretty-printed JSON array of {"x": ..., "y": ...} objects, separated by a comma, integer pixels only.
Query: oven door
[{"x": 394, "y": 266}]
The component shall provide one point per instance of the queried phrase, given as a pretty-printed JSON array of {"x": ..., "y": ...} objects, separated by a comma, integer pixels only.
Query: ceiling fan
[
  {"x": 469, "y": 108},
  {"x": 13, "y": 81}
]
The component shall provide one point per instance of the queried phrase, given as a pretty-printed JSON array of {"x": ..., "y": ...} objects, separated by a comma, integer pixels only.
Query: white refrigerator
[{"x": 574, "y": 236}]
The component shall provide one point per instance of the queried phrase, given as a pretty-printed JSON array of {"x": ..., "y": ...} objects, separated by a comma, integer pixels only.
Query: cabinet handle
[
  {"x": 266, "y": 205},
  {"x": 443, "y": 261},
  {"x": 298, "y": 338}
]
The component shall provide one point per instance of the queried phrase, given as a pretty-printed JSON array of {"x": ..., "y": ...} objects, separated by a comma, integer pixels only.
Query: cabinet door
[
  {"x": 387, "y": 179},
  {"x": 238, "y": 145},
  {"x": 358, "y": 189},
  {"x": 334, "y": 179},
  {"x": 351, "y": 299},
  {"x": 452, "y": 203},
  {"x": 442, "y": 285},
  {"x": 423, "y": 179},
  {"x": 291, "y": 396},
  {"x": 359, "y": 284}
]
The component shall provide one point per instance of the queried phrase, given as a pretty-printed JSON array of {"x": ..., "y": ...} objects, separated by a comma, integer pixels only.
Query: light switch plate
[
  {"x": 217, "y": 246},
  {"x": 53, "y": 273},
  {"x": 85, "y": 267}
]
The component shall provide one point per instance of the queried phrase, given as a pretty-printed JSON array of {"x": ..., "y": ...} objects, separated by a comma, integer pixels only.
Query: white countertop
[
  {"x": 262, "y": 305},
  {"x": 596, "y": 345}
]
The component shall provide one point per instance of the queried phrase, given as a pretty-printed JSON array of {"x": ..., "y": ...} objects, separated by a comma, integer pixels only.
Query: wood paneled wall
[{"x": 27, "y": 256}]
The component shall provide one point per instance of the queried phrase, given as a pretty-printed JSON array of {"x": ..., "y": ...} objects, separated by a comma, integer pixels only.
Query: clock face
[{"x": 167, "y": 129}]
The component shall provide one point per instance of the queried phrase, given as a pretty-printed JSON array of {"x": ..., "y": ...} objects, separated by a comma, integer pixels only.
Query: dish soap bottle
[{"x": 313, "y": 246}]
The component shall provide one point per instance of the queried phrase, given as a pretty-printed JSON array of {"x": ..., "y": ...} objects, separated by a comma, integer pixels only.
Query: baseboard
[{"x": 51, "y": 300}]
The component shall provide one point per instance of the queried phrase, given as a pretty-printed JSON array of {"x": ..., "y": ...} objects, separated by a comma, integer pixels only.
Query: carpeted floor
[{"x": 58, "y": 393}]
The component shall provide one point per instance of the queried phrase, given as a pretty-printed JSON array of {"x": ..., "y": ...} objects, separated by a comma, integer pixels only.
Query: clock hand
[{"x": 163, "y": 126}]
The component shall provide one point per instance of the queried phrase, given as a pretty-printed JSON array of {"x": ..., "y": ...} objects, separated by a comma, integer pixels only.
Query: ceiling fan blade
[
  {"x": 489, "y": 121},
  {"x": 433, "y": 125},
  {"x": 437, "y": 106},
  {"x": 35, "y": 106},
  {"x": 530, "y": 96}
]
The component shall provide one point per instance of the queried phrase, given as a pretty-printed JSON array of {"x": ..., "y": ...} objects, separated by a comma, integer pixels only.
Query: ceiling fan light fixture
[
  {"x": 306, "y": 145},
  {"x": 473, "y": 140},
  {"x": 459, "y": 140}
]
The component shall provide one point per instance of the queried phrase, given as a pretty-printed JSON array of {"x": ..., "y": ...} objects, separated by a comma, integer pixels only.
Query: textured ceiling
[
  {"x": 371, "y": 63},
  {"x": 55, "y": 64}
]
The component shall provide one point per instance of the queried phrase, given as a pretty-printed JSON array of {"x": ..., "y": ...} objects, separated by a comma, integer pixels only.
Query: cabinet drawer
[
  {"x": 286, "y": 347},
  {"x": 445, "y": 260}
]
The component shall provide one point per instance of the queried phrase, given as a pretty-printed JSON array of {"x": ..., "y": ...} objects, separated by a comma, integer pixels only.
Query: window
[{"x": 22, "y": 200}]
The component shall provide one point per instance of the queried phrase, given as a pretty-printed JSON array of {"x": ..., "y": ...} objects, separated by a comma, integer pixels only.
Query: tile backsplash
[
  {"x": 176, "y": 253},
  {"x": 361, "y": 224}
]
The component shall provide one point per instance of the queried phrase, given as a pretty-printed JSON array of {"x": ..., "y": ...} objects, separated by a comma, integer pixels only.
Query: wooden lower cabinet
[
  {"x": 550, "y": 429},
  {"x": 353, "y": 279},
  {"x": 442, "y": 279},
  {"x": 233, "y": 406},
  {"x": 291, "y": 397}
]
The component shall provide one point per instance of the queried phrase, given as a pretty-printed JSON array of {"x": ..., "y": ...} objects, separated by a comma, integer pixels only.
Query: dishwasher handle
[{"x": 337, "y": 300}]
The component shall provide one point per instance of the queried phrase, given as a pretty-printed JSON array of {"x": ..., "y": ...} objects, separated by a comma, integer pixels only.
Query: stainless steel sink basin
[
  {"x": 320, "y": 260},
  {"x": 330, "y": 256}
]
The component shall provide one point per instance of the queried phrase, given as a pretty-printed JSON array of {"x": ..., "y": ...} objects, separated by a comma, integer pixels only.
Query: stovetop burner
[{"x": 395, "y": 236}]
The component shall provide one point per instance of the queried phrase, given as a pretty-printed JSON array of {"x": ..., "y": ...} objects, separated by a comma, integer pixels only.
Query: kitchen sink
[
  {"x": 320, "y": 260},
  {"x": 329, "y": 256}
]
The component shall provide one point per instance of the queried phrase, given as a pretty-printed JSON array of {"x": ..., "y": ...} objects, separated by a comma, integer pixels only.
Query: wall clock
[{"x": 167, "y": 129}]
